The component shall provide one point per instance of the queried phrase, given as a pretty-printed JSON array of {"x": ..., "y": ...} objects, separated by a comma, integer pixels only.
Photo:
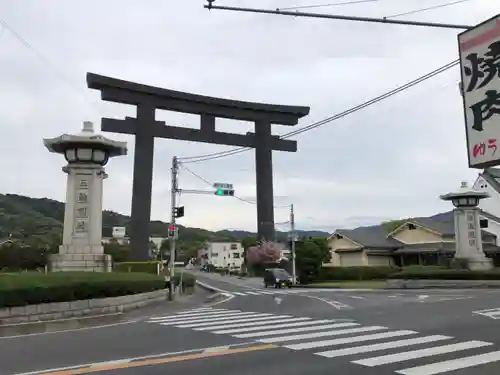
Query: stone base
[
  {"x": 80, "y": 262},
  {"x": 481, "y": 264}
]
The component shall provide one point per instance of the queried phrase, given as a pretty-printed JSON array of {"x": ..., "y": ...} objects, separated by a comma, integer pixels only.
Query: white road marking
[
  {"x": 357, "y": 297},
  {"x": 296, "y": 322},
  {"x": 427, "y": 352},
  {"x": 348, "y": 340},
  {"x": 336, "y": 304},
  {"x": 240, "y": 323},
  {"x": 295, "y": 330},
  {"x": 213, "y": 319},
  {"x": 453, "y": 364},
  {"x": 321, "y": 334},
  {"x": 178, "y": 318},
  {"x": 381, "y": 346},
  {"x": 298, "y": 332},
  {"x": 490, "y": 313},
  {"x": 191, "y": 314}
]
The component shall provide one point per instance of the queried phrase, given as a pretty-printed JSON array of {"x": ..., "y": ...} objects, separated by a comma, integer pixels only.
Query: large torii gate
[{"x": 148, "y": 99}]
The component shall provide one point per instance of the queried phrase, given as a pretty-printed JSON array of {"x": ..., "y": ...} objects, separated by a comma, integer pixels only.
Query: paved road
[{"x": 289, "y": 331}]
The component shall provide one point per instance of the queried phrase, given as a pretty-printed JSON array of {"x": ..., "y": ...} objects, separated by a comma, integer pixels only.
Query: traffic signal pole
[{"x": 174, "y": 189}]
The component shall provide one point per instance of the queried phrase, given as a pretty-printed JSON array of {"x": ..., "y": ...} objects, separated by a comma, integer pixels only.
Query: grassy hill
[{"x": 41, "y": 219}]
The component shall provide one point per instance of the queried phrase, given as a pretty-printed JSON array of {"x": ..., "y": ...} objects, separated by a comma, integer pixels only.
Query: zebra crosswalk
[
  {"x": 490, "y": 313},
  {"x": 340, "y": 338},
  {"x": 259, "y": 292}
]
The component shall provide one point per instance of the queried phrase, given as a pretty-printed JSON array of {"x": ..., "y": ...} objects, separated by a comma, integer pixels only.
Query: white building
[
  {"x": 222, "y": 254},
  {"x": 489, "y": 181}
]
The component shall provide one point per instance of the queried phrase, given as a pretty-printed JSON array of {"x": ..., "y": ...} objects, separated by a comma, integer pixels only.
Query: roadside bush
[
  {"x": 34, "y": 288},
  {"x": 445, "y": 274},
  {"x": 146, "y": 267},
  {"x": 355, "y": 273},
  {"x": 188, "y": 281}
]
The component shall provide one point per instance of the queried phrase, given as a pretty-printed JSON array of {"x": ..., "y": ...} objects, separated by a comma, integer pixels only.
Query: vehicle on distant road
[{"x": 277, "y": 277}]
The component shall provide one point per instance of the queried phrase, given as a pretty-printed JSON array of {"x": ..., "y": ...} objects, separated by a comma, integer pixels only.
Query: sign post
[{"x": 479, "y": 50}]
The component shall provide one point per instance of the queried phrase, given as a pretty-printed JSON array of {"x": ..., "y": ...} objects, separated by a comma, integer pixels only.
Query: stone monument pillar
[
  {"x": 468, "y": 239},
  {"x": 86, "y": 153}
]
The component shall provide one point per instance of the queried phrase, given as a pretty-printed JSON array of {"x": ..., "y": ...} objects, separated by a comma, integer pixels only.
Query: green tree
[
  {"x": 119, "y": 253},
  {"x": 311, "y": 254},
  {"x": 246, "y": 242}
]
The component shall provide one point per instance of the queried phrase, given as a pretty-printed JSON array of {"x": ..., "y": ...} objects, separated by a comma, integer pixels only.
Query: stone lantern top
[
  {"x": 465, "y": 196},
  {"x": 87, "y": 139}
]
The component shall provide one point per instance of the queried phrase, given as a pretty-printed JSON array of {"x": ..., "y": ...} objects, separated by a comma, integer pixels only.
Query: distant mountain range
[
  {"x": 26, "y": 217},
  {"x": 23, "y": 217}
]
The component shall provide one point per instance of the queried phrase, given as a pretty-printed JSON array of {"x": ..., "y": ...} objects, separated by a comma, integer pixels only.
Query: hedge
[
  {"x": 188, "y": 280},
  {"x": 147, "y": 267},
  {"x": 355, "y": 273},
  {"x": 35, "y": 288},
  {"x": 445, "y": 274}
]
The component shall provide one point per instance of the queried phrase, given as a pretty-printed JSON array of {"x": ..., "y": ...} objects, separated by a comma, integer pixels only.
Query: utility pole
[
  {"x": 293, "y": 239},
  {"x": 174, "y": 189}
]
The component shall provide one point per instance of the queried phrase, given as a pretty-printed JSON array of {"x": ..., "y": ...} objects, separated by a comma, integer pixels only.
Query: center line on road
[{"x": 153, "y": 359}]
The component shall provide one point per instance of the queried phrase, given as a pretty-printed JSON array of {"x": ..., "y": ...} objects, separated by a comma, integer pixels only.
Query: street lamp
[
  {"x": 465, "y": 197},
  {"x": 468, "y": 238},
  {"x": 86, "y": 154},
  {"x": 85, "y": 147}
]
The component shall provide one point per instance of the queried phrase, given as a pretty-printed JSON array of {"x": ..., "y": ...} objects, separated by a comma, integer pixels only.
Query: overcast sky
[{"x": 391, "y": 160}]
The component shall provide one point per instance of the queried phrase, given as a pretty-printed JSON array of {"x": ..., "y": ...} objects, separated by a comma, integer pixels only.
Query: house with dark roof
[
  {"x": 489, "y": 181},
  {"x": 421, "y": 240}
]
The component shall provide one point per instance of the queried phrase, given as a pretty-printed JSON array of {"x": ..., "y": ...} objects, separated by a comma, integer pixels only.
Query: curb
[
  {"x": 441, "y": 284},
  {"x": 220, "y": 295},
  {"x": 30, "y": 328},
  {"x": 158, "y": 358}
]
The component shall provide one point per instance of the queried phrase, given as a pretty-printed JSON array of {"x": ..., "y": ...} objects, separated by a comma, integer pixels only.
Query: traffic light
[
  {"x": 223, "y": 192},
  {"x": 172, "y": 231},
  {"x": 179, "y": 211}
]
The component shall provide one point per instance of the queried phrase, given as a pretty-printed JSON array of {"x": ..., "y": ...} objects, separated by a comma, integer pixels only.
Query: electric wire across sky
[{"x": 399, "y": 89}]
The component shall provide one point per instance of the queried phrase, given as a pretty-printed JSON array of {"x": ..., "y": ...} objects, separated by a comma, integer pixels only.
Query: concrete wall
[{"x": 74, "y": 309}]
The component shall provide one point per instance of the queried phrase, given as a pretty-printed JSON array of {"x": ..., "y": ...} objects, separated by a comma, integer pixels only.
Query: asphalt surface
[{"x": 358, "y": 332}]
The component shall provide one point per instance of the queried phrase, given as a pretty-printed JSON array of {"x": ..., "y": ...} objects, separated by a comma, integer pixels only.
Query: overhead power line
[
  {"x": 441, "y": 25},
  {"x": 44, "y": 60},
  {"x": 211, "y": 185},
  {"x": 327, "y": 5},
  {"x": 420, "y": 10},
  {"x": 397, "y": 90}
]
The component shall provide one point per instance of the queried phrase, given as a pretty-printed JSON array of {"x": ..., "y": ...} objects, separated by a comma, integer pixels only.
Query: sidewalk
[{"x": 197, "y": 299}]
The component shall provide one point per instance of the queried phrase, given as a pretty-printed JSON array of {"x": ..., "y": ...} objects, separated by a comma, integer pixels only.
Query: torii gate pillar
[{"x": 148, "y": 99}]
